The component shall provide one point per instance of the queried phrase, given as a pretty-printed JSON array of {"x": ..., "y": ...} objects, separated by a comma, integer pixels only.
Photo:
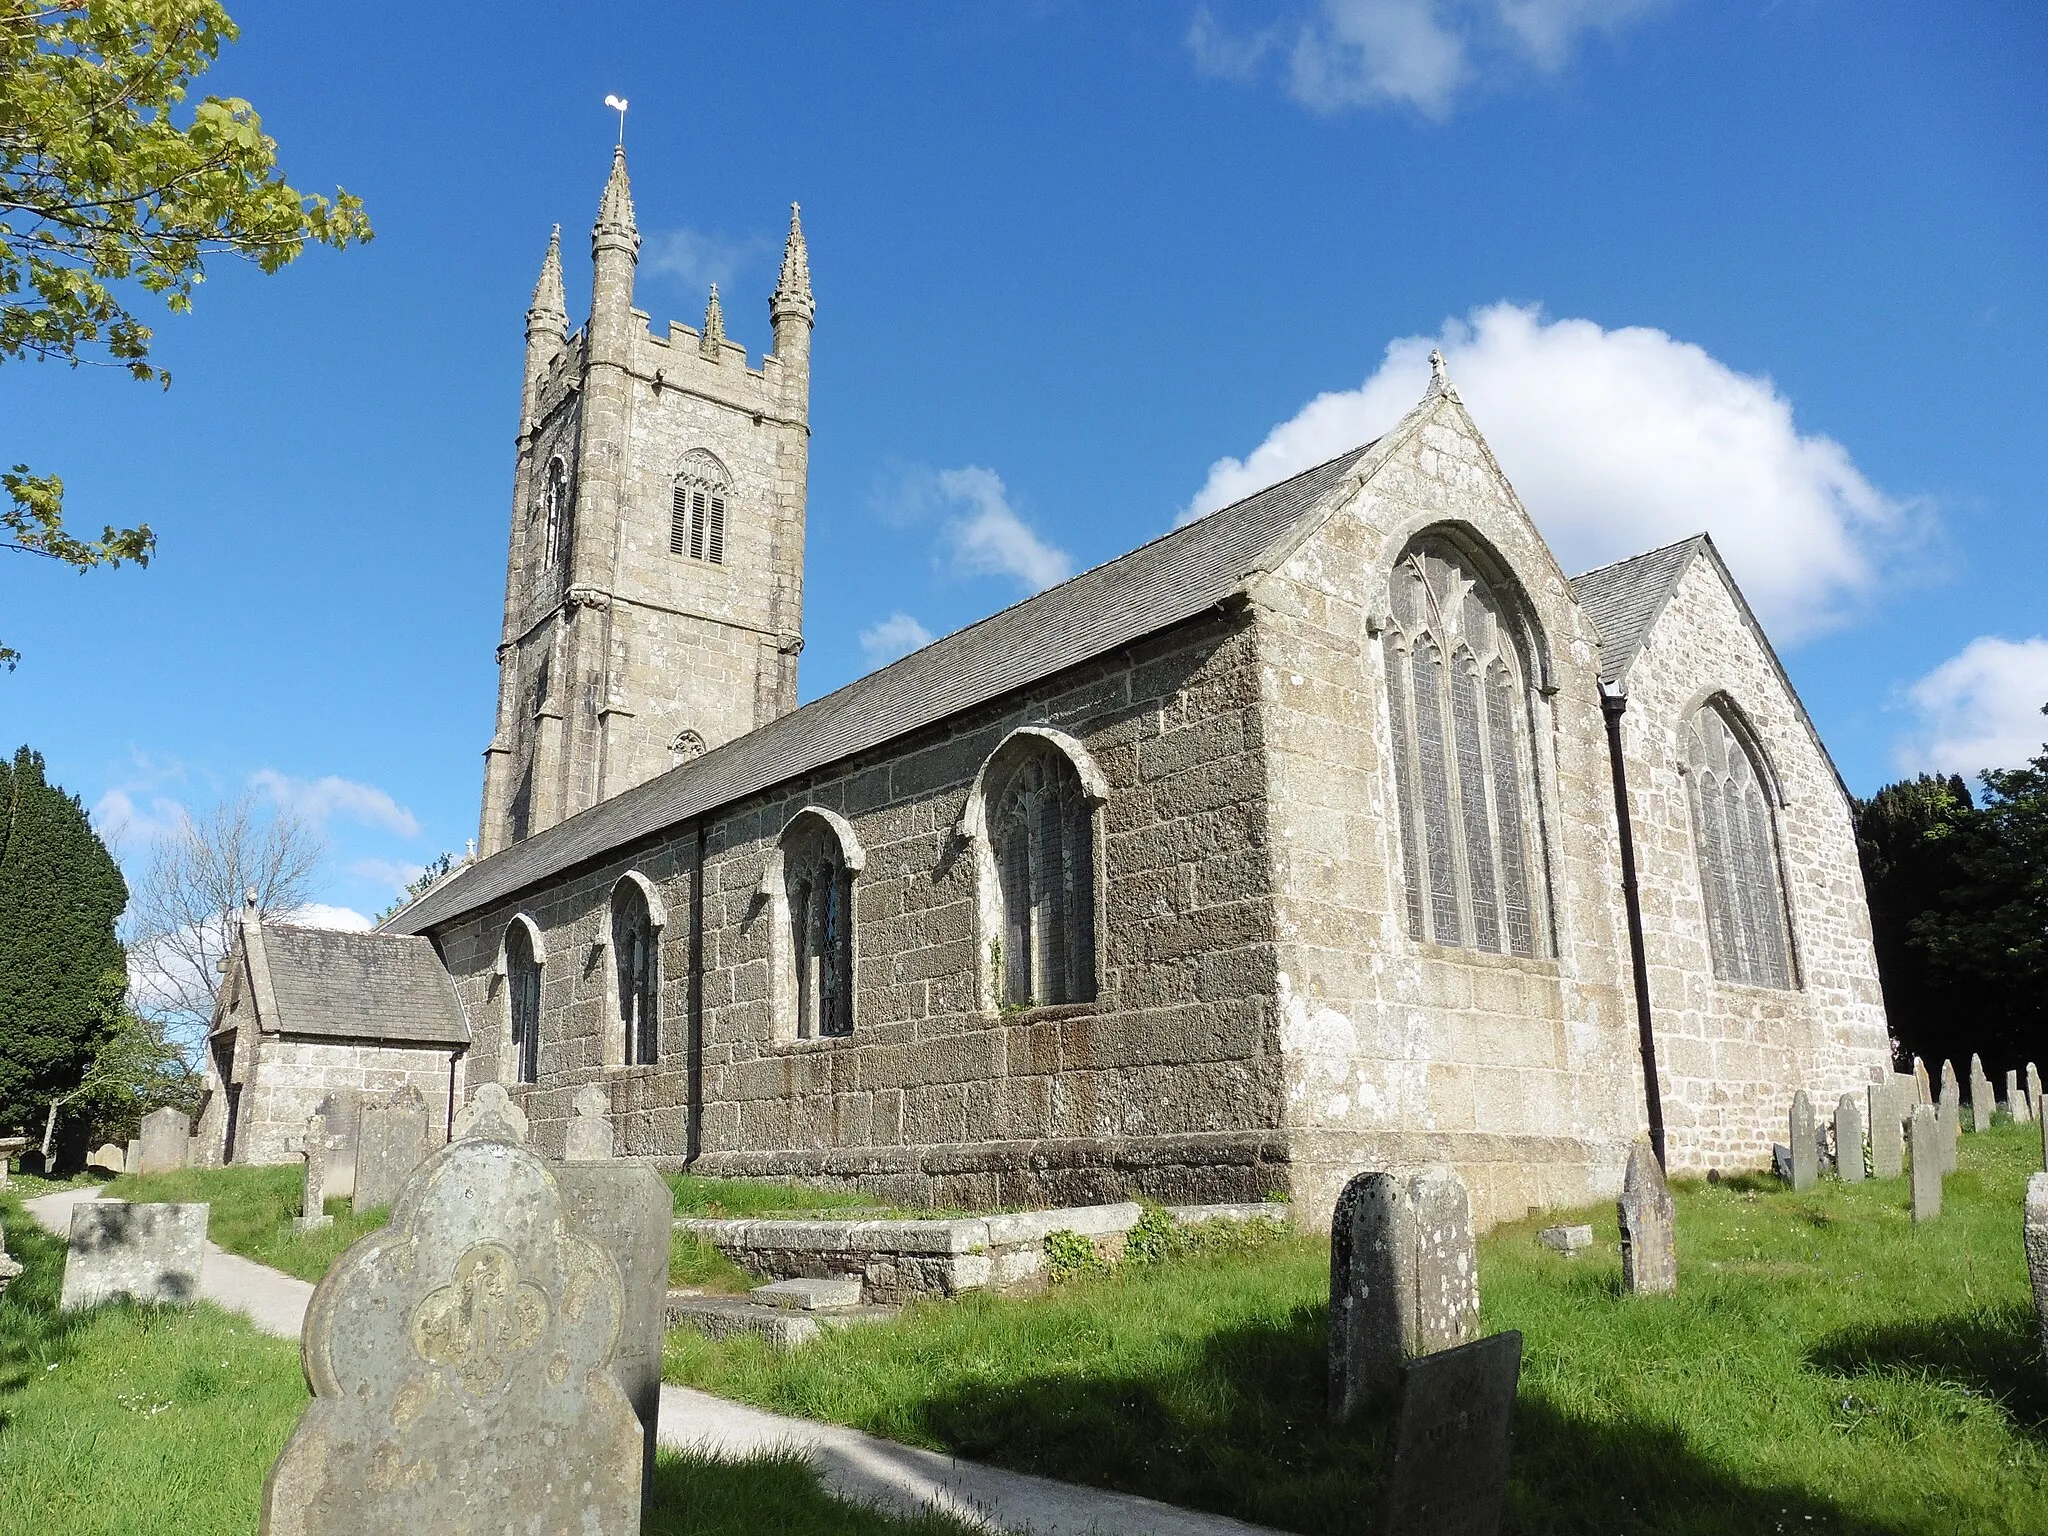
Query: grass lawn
[
  {"x": 252, "y": 1211},
  {"x": 133, "y": 1421},
  {"x": 1825, "y": 1368}
]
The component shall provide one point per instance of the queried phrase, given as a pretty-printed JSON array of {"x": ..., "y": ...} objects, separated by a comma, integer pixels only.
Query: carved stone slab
[
  {"x": 1848, "y": 1139},
  {"x": 1649, "y": 1226},
  {"x": 590, "y": 1133},
  {"x": 1805, "y": 1148},
  {"x": 491, "y": 1113},
  {"x": 313, "y": 1191},
  {"x": 166, "y": 1141},
  {"x": 136, "y": 1252},
  {"x": 390, "y": 1145},
  {"x": 1404, "y": 1278},
  {"x": 1926, "y": 1140},
  {"x": 1887, "y": 1132},
  {"x": 2037, "y": 1251},
  {"x": 461, "y": 1366},
  {"x": 1453, "y": 1423},
  {"x": 628, "y": 1210},
  {"x": 1949, "y": 1116}
]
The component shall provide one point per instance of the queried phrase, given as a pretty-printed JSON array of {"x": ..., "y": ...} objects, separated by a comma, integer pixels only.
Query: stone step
[{"x": 720, "y": 1317}]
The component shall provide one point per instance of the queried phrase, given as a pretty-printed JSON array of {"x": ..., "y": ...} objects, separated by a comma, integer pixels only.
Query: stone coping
[{"x": 955, "y": 1235}]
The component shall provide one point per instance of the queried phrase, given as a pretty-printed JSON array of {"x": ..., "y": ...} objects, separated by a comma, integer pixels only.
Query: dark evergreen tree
[
  {"x": 1909, "y": 835},
  {"x": 62, "y": 972}
]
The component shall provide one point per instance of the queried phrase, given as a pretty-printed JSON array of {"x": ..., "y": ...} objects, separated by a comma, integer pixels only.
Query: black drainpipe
[
  {"x": 693, "y": 1143},
  {"x": 1613, "y": 702}
]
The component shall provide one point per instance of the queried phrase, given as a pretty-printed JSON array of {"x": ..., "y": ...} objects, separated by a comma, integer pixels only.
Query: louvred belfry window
[
  {"x": 1736, "y": 838},
  {"x": 1042, "y": 838},
  {"x": 697, "y": 519},
  {"x": 555, "y": 536},
  {"x": 1464, "y": 772}
]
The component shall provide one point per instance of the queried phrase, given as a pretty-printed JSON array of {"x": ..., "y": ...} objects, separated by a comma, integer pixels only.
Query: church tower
[{"x": 654, "y": 585}]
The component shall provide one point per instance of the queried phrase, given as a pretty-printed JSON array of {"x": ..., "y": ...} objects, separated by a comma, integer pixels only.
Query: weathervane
[{"x": 618, "y": 105}]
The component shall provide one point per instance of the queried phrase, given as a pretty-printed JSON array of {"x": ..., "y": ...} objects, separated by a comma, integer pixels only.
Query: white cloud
[
  {"x": 317, "y": 800},
  {"x": 698, "y": 258},
  {"x": 396, "y": 873},
  {"x": 318, "y": 914},
  {"x": 982, "y": 532},
  {"x": 1979, "y": 709},
  {"x": 1619, "y": 441},
  {"x": 1417, "y": 53},
  {"x": 129, "y": 824},
  {"x": 897, "y": 635}
]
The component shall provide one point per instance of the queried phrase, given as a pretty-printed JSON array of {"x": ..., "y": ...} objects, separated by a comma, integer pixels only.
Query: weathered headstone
[
  {"x": 10, "y": 1269},
  {"x": 1923, "y": 1089},
  {"x": 1848, "y": 1139},
  {"x": 343, "y": 1112},
  {"x": 313, "y": 1192},
  {"x": 461, "y": 1362},
  {"x": 1982, "y": 1101},
  {"x": 131, "y": 1160},
  {"x": 1649, "y": 1226},
  {"x": 2034, "y": 1090},
  {"x": 2017, "y": 1109},
  {"x": 1453, "y": 1420},
  {"x": 1948, "y": 1117},
  {"x": 139, "y": 1252},
  {"x": 1567, "y": 1240},
  {"x": 590, "y": 1133},
  {"x": 2037, "y": 1251},
  {"x": 629, "y": 1212},
  {"x": 1805, "y": 1146},
  {"x": 491, "y": 1112},
  {"x": 1404, "y": 1278},
  {"x": 1927, "y": 1163},
  {"x": 1887, "y": 1134},
  {"x": 166, "y": 1141},
  {"x": 390, "y": 1145},
  {"x": 108, "y": 1158}
]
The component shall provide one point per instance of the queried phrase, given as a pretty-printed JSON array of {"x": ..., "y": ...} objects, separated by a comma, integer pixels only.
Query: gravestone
[
  {"x": 2016, "y": 1107},
  {"x": 137, "y": 1252},
  {"x": 1887, "y": 1135},
  {"x": 1926, "y": 1149},
  {"x": 2034, "y": 1090},
  {"x": 1649, "y": 1226},
  {"x": 1453, "y": 1421},
  {"x": 629, "y": 1212},
  {"x": 461, "y": 1364},
  {"x": 108, "y": 1158},
  {"x": 1983, "y": 1102},
  {"x": 491, "y": 1112},
  {"x": 1567, "y": 1240},
  {"x": 1805, "y": 1146},
  {"x": 590, "y": 1133},
  {"x": 10, "y": 1269},
  {"x": 343, "y": 1112},
  {"x": 1848, "y": 1139},
  {"x": 166, "y": 1141},
  {"x": 1923, "y": 1091},
  {"x": 1404, "y": 1279},
  {"x": 390, "y": 1145},
  {"x": 1948, "y": 1118},
  {"x": 2037, "y": 1251},
  {"x": 313, "y": 1192},
  {"x": 131, "y": 1160},
  {"x": 10, "y": 1147}
]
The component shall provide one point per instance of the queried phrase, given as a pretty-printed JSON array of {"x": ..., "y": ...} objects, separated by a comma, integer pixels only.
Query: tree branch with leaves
[{"x": 111, "y": 184}]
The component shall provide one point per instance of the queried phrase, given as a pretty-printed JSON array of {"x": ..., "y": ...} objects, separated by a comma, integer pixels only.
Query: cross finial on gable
[{"x": 1438, "y": 374}]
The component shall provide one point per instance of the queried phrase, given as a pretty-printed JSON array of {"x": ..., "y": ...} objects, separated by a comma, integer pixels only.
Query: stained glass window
[
  {"x": 818, "y": 890},
  {"x": 1464, "y": 776},
  {"x": 1041, "y": 838},
  {"x": 637, "y": 960},
  {"x": 522, "y": 982},
  {"x": 1733, "y": 831}
]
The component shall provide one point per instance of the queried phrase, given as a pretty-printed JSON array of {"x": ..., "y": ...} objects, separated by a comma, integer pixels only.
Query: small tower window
[
  {"x": 555, "y": 549},
  {"x": 697, "y": 523}
]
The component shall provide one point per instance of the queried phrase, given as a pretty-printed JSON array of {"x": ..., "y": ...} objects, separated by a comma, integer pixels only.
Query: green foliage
[
  {"x": 1155, "y": 1238},
  {"x": 1070, "y": 1256},
  {"x": 110, "y": 180},
  {"x": 436, "y": 869},
  {"x": 1959, "y": 913},
  {"x": 62, "y": 972},
  {"x": 1825, "y": 1367}
]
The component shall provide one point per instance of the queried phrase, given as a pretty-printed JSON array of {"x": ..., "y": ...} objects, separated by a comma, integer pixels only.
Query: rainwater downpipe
[{"x": 1613, "y": 704}]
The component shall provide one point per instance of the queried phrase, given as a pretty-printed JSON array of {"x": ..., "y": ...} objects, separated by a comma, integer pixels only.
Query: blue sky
[{"x": 1774, "y": 270}]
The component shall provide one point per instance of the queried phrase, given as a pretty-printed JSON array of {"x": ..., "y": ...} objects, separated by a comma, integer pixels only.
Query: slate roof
[
  {"x": 361, "y": 986},
  {"x": 1155, "y": 586},
  {"x": 1624, "y": 599}
]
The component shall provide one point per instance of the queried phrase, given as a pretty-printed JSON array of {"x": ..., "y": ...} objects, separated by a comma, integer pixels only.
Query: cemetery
[{"x": 1706, "y": 1357}]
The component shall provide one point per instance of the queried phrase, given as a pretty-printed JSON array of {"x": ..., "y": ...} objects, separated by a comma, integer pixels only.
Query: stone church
[{"x": 1337, "y": 829}]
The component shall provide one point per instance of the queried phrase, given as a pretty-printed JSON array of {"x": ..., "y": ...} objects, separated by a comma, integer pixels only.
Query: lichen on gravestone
[
  {"x": 1848, "y": 1139},
  {"x": 1404, "y": 1279},
  {"x": 590, "y": 1132},
  {"x": 2037, "y": 1252},
  {"x": 1649, "y": 1226},
  {"x": 461, "y": 1366},
  {"x": 1887, "y": 1132},
  {"x": 1926, "y": 1137},
  {"x": 490, "y": 1114},
  {"x": 1805, "y": 1147}
]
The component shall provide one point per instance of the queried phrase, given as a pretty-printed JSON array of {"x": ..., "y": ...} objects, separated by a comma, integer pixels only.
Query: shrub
[{"x": 1070, "y": 1256}]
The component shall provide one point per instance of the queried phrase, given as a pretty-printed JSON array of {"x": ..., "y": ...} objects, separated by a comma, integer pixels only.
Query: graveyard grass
[
  {"x": 131, "y": 1421},
  {"x": 252, "y": 1212},
  {"x": 1825, "y": 1367}
]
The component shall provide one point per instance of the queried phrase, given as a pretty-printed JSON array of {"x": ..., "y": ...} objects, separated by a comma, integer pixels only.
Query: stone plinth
[{"x": 120, "y": 1251}]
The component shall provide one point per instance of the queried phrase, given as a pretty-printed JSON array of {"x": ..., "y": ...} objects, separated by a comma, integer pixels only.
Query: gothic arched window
[
  {"x": 697, "y": 523},
  {"x": 1464, "y": 772},
  {"x": 1738, "y": 852},
  {"x": 555, "y": 545},
  {"x": 813, "y": 892},
  {"x": 1041, "y": 842},
  {"x": 636, "y": 962},
  {"x": 522, "y": 988}
]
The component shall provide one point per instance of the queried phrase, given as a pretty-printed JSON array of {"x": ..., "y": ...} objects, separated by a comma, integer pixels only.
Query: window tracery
[
  {"x": 636, "y": 962},
  {"x": 1464, "y": 769},
  {"x": 522, "y": 986},
  {"x": 815, "y": 968},
  {"x": 555, "y": 537},
  {"x": 1041, "y": 833},
  {"x": 1736, "y": 839}
]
